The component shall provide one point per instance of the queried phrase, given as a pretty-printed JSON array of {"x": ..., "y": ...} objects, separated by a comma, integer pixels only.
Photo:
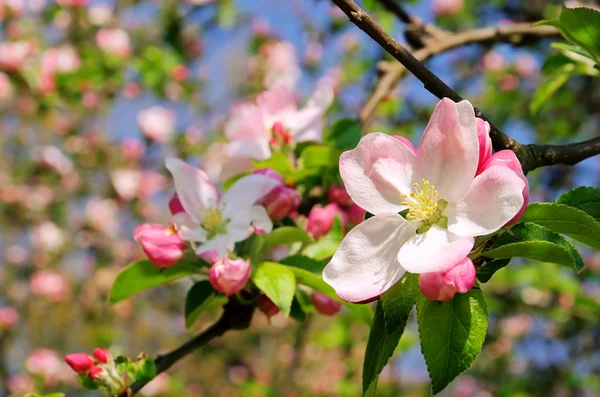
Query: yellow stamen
[{"x": 421, "y": 203}]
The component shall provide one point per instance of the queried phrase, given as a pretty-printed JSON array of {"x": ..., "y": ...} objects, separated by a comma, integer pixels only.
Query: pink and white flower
[
  {"x": 447, "y": 204},
  {"x": 14, "y": 54},
  {"x": 157, "y": 123},
  {"x": 114, "y": 41},
  {"x": 282, "y": 67},
  {"x": 218, "y": 223},
  {"x": 275, "y": 120},
  {"x": 161, "y": 244}
]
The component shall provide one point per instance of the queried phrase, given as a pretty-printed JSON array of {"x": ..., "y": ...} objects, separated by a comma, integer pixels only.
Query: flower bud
[
  {"x": 79, "y": 362},
  {"x": 229, "y": 275},
  {"x": 320, "y": 219},
  {"x": 280, "y": 202},
  {"x": 356, "y": 214},
  {"x": 324, "y": 304},
  {"x": 175, "y": 205},
  {"x": 96, "y": 372},
  {"x": 8, "y": 318},
  {"x": 161, "y": 244},
  {"x": 338, "y": 194},
  {"x": 267, "y": 306},
  {"x": 442, "y": 286},
  {"x": 101, "y": 355}
]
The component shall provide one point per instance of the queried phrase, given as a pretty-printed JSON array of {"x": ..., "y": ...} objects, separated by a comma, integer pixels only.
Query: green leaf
[
  {"x": 86, "y": 382},
  {"x": 345, "y": 134},
  {"x": 146, "y": 370},
  {"x": 391, "y": 316},
  {"x": 304, "y": 262},
  {"x": 142, "y": 275},
  {"x": 530, "y": 241},
  {"x": 285, "y": 235},
  {"x": 582, "y": 26},
  {"x": 319, "y": 156},
  {"x": 278, "y": 283},
  {"x": 452, "y": 334},
  {"x": 279, "y": 163},
  {"x": 201, "y": 297},
  {"x": 326, "y": 246},
  {"x": 550, "y": 86},
  {"x": 304, "y": 277},
  {"x": 566, "y": 220},
  {"x": 301, "y": 305},
  {"x": 584, "y": 198}
]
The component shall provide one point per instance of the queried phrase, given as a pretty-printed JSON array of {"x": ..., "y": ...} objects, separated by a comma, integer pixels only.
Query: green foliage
[
  {"x": 86, "y": 382},
  {"x": 550, "y": 86},
  {"x": 278, "y": 283},
  {"x": 146, "y": 369},
  {"x": 46, "y": 395},
  {"x": 201, "y": 297},
  {"x": 532, "y": 241},
  {"x": 391, "y": 316},
  {"x": 318, "y": 156},
  {"x": 326, "y": 246},
  {"x": 304, "y": 262},
  {"x": 285, "y": 235},
  {"x": 566, "y": 220},
  {"x": 142, "y": 275},
  {"x": 452, "y": 334},
  {"x": 279, "y": 163},
  {"x": 584, "y": 198},
  {"x": 345, "y": 134}
]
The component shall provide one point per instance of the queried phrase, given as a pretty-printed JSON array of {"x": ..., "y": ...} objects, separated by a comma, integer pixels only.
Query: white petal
[
  {"x": 307, "y": 124},
  {"x": 276, "y": 101},
  {"x": 247, "y": 191},
  {"x": 193, "y": 187},
  {"x": 187, "y": 229},
  {"x": 377, "y": 172},
  {"x": 221, "y": 243},
  {"x": 436, "y": 250},
  {"x": 260, "y": 219},
  {"x": 494, "y": 198},
  {"x": 240, "y": 222},
  {"x": 365, "y": 264},
  {"x": 448, "y": 153},
  {"x": 257, "y": 149},
  {"x": 246, "y": 122}
]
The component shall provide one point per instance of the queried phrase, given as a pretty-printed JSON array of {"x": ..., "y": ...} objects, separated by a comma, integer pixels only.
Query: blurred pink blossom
[
  {"x": 8, "y": 318},
  {"x": 320, "y": 219},
  {"x": 47, "y": 363},
  {"x": 260, "y": 27},
  {"x": 493, "y": 62},
  {"x": 447, "y": 7},
  {"x": 114, "y": 41},
  {"x": 20, "y": 384},
  {"x": 6, "y": 87},
  {"x": 338, "y": 194},
  {"x": 133, "y": 149},
  {"x": 325, "y": 304},
  {"x": 103, "y": 215},
  {"x": 49, "y": 284},
  {"x": 14, "y": 54},
  {"x": 509, "y": 82},
  {"x": 53, "y": 158},
  {"x": 281, "y": 64},
  {"x": 100, "y": 14},
  {"x": 356, "y": 214},
  {"x": 126, "y": 182},
  {"x": 47, "y": 236},
  {"x": 72, "y": 3},
  {"x": 158, "y": 386},
  {"x": 526, "y": 65},
  {"x": 152, "y": 182},
  {"x": 157, "y": 123},
  {"x": 13, "y": 8}
]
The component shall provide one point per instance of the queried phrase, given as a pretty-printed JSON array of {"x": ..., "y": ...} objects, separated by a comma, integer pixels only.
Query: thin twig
[{"x": 531, "y": 156}]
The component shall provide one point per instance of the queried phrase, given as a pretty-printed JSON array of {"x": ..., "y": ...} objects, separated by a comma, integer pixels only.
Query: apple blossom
[
  {"x": 175, "y": 205},
  {"x": 324, "y": 304},
  {"x": 14, "y": 54},
  {"x": 320, "y": 219},
  {"x": 442, "y": 286},
  {"x": 96, "y": 372},
  {"x": 50, "y": 284},
  {"x": 229, "y": 275},
  {"x": 218, "y": 223},
  {"x": 273, "y": 122},
  {"x": 447, "y": 7},
  {"x": 161, "y": 244},
  {"x": 157, "y": 123},
  {"x": 79, "y": 362},
  {"x": 281, "y": 63},
  {"x": 101, "y": 355},
  {"x": 8, "y": 318},
  {"x": 281, "y": 200},
  {"x": 444, "y": 202},
  {"x": 126, "y": 182},
  {"x": 114, "y": 41}
]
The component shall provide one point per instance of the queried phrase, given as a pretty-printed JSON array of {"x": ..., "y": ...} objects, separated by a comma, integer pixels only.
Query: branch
[
  {"x": 236, "y": 316},
  {"x": 515, "y": 33},
  {"x": 530, "y": 156}
]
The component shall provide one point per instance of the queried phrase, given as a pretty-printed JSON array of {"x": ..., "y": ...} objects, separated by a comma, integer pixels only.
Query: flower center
[
  {"x": 280, "y": 136},
  {"x": 422, "y": 202},
  {"x": 213, "y": 222}
]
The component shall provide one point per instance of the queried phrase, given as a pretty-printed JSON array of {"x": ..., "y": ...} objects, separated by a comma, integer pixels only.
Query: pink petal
[
  {"x": 494, "y": 198},
  {"x": 436, "y": 250},
  {"x": 485, "y": 142},
  {"x": 448, "y": 153},
  {"x": 377, "y": 172},
  {"x": 194, "y": 189},
  {"x": 246, "y": 122},
  {"x": 277, "y": 100},
  {"x": 219, "y": 166},
  {"x": 406, "y": 142},
  {"x": 257, "y": 149},
  {"x": 365, "y": 265}
]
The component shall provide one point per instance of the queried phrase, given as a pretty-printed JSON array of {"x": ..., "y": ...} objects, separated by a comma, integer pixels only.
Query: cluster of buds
[
  {"x": 320, "y": 218},
  {"x": 113, "y": 375},
  {"x": 281, "y": 201},
  {"x": 281, "y": 136}
]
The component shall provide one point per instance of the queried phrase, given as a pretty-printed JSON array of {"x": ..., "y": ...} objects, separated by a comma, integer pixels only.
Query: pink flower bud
[
  {"x": 96, "y": 372},
  {"x": 270, "y": 173},
  {"x": 324, "y": 304},
  {"x": 442, "y": 286},
  {"x": 80, "y": 362},
  {"x": 161, "y": 244},
  {"x": 338, "y": 194},
  {"x": 280, "y": 202},
  {"x": 320, "y": 219},
  {"x": 180, "y": 73},
  {"x": 229, "y": 275},
  {"x": 507, "y": 158},
  {"x": 101, "y": 355},
  {"x": 356, "y": 214},
  {"x": 8, "y": 318},
  {"x": 157, "y": 123},
  {"x": 175, "y": 205},
  {"x": 485, "y": 142},
  {"x": 267, "y": 306}
]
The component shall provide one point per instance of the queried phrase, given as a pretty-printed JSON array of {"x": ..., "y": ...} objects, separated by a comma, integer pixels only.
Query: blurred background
[{"x": 94, "y": 95}]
